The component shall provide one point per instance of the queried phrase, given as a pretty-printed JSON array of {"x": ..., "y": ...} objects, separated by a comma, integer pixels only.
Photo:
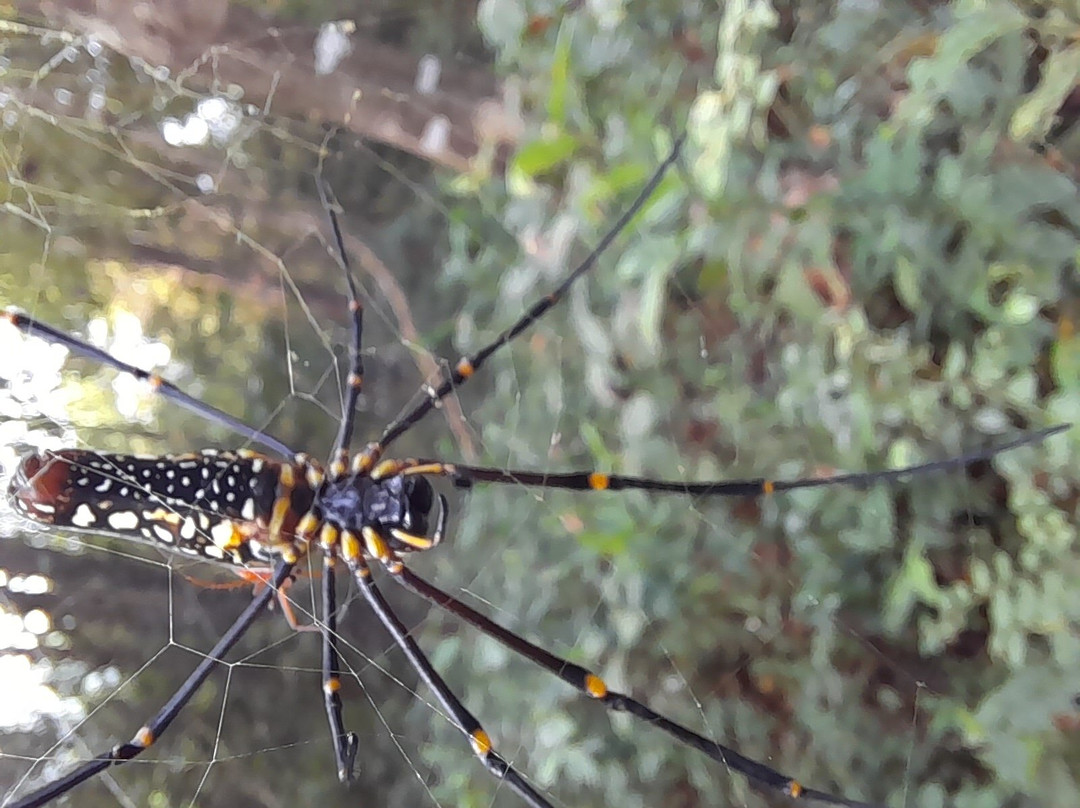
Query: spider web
[{"x": 164, "y": 208}]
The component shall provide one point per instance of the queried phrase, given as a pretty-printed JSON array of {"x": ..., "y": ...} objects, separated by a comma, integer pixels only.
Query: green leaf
[
  {"x": 560, "y": 73},
  {"x": 913, "y": 583},
  {"x": 1065, "y": 361},
  {"x": 613, "y": 543},
  {"x": 541, "y": 156},
  {"x": 1033, "y": 119}
]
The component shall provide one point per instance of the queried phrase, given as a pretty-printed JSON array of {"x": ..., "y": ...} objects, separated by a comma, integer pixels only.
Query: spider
[{"x": 361, "y": 511}]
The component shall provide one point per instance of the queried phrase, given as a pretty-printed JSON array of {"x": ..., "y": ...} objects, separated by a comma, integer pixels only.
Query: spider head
[
  {"x": 418, "y": 497},
  {"x": 414, "y": 531}
]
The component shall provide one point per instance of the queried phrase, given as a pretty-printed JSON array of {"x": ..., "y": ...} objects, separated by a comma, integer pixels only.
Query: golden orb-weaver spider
[
  {"x": 245, "y": 508},
  {"x": 226, "y": 542}
]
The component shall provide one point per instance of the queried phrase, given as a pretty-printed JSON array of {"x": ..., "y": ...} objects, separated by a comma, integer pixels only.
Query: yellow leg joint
[
  {"x": 595, "y": 686},
  {"x": 376, "y": 545},
  {"x": 350, "y": 547},
  {"x": 794, "y": 788},
  {"x": 277, "y": 517},
  {"x": 411, "y": 539},
  {"x": 144, "y": 738},
  {"x": 481, "y": 743},
  {"x": 337, "y": 469},
  {"x": 314, "y": 474},
  {"x": 429, "y": 468},
  {"x": 307, "y": 526},
  {"x": 328, "y": 537},
  {"x": 387, "y": 468},
  {"x": 367, "y": 458},
  {"x": 286, "y": 476},
  {"x": 599, "y": 481}
]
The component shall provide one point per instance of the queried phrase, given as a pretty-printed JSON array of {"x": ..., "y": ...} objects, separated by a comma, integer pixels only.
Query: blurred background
[{"x": 864, "y": 258}]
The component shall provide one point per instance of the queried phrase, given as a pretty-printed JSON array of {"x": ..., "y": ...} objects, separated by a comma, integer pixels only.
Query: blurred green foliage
[{"x": 865, "y": 258}]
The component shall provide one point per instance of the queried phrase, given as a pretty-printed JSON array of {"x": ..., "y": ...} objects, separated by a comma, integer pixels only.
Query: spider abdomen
[{"x": 213, "y": 504}]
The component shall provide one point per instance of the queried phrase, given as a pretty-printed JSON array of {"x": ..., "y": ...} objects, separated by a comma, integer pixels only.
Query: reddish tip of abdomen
[{"x": 40, "y": 486}]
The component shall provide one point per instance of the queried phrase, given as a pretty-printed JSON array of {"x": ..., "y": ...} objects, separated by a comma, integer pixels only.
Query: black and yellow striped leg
[
  {"x": 460, "y": 715},
  {"x": 468, "y": 365},
  {"x": 35, "y": 328},
  {"x": 345, "y": 743},
  {"x": 761, "y": 776},
  {"x": 465, "y": 476},
  {"x": 157, "y": 725}
]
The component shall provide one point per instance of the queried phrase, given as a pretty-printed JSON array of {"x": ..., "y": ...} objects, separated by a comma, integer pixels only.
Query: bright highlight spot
[
  {"x": 332, "y": 45},
  {"x": 27, "y": 699}
]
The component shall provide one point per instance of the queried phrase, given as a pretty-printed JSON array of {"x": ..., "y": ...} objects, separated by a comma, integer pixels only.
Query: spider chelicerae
[{"x": 360, "y": 512}]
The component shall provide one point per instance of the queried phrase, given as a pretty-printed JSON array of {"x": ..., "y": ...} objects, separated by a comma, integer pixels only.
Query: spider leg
[
  {"x": 260, "y": 577},
  {"x": 464, "y": 476},
  {"x": 355, "y": 380},
  {"x": 157, "y": 725},
  {"x": 345, "y": 743},
  {"x": 760, "y": 775},
  {"x": 468, "y": 365},
  {"x": 32, "y": 327},
  {"x": 465, "y": 721}
]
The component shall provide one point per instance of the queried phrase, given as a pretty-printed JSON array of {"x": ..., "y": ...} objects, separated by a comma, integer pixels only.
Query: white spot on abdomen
[
  {"x": 222, "y": 533},
  {"x": 123, "y": 520},
  {"x": 84, "y": 516}
]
